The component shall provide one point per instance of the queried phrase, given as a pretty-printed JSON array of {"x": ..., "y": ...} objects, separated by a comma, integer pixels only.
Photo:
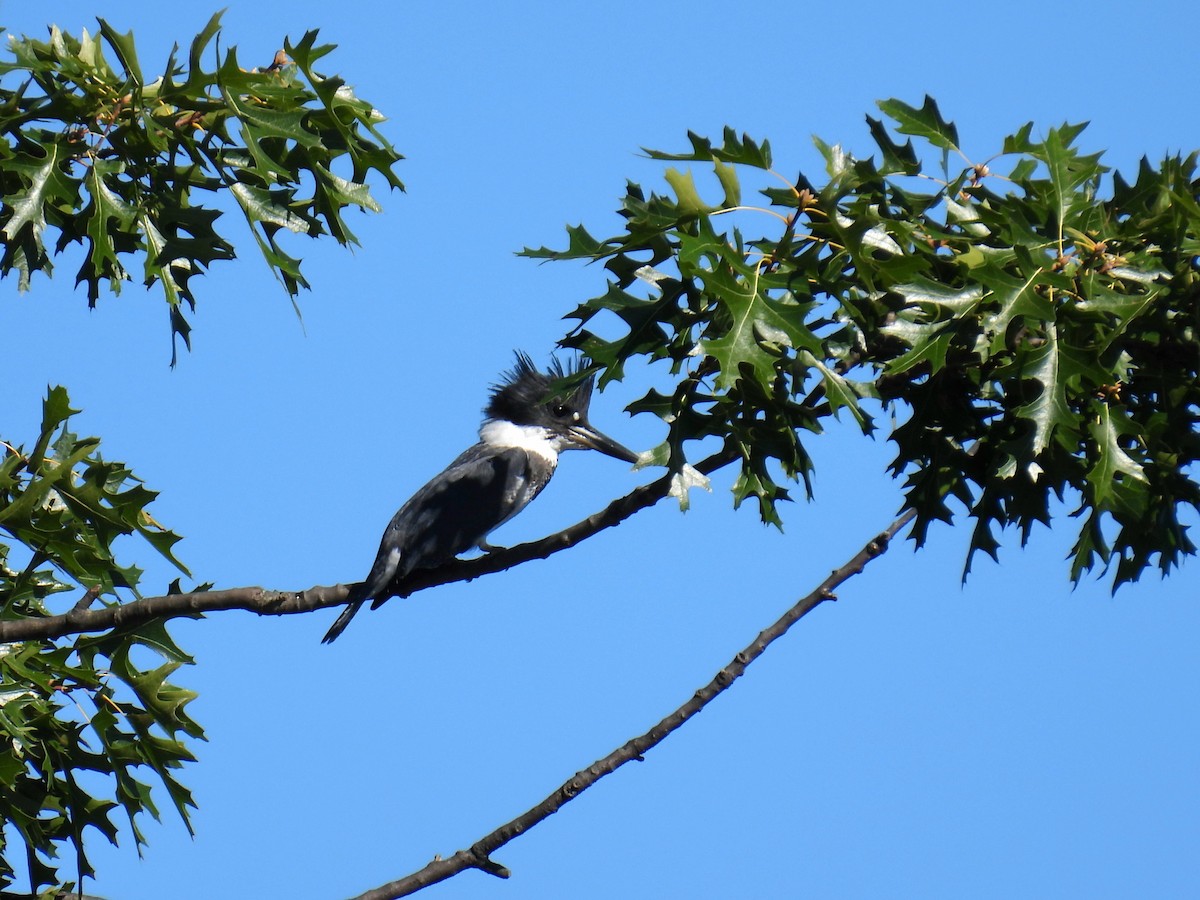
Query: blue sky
[{"x": 919, "y": 738}]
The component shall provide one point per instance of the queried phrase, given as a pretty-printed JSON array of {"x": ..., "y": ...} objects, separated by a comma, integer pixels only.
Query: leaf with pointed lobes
[
  {"x": 580, "y": 245},
  {"x": 744, "y": 151},
  {"x": 925, "y": 291},
  {"x": 40, "y": 182},
  {"x": 926, "y": 122},
  {"x": 1113, "y": 463},
  {"x": 122, "y": 44},
  {"x": 1049, "y": 410},
  {"x": 727, "y": 175},
  {"x": 686, "y": 194},
  {"x": 760, "y": 328},
  {"x": 840, "y": 392},
  {"x": 683, "y": 481},
  {"x": 896, "y": 158},
  {"x": 756, "y": 482}
]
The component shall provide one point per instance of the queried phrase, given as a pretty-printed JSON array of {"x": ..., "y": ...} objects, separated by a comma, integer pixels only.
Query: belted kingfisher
[{"x": 526, "y": 426}]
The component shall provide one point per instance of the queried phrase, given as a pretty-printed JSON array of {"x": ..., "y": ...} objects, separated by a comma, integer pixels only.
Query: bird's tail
[
  {"x": 343, "y": 620},
  {"x": 381, "y": 575}
]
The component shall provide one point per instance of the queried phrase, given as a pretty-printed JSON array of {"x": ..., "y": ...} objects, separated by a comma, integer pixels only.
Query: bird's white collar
[{"x": 531, "y": 438}]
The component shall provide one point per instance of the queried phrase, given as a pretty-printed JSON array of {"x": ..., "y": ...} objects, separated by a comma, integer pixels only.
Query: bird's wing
[
  {"x": 481, "y": 489},
  {"x": 452, "y": 513},
  {"x": 458, "y": 508}
]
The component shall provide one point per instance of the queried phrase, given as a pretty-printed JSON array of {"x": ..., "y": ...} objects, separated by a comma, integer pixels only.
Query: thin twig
[
  {"x": 478, "y": 856},
  {"x": 88, "y": 598}
]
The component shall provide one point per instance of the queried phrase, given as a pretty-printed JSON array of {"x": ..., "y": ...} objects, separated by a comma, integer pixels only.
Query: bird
[{"x": 527, "y": 424}]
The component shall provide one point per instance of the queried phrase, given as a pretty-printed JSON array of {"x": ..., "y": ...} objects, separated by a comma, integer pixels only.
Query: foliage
[
  {"x": 100, "y": 156},
  {"x": 92, "y": 153},
  {"x": 70, "y": 712},
  {"x": 1034, "y": 333}
]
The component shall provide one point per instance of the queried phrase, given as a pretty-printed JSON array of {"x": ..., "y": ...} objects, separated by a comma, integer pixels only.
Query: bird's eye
[{"x": 560, "y": 410}]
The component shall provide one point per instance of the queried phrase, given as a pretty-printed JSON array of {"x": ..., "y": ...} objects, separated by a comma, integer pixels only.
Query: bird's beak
[{"x": 584, "y": 435}]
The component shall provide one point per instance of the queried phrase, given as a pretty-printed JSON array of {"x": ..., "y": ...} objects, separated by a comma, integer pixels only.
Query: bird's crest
[{"x": 524, "y": 394}]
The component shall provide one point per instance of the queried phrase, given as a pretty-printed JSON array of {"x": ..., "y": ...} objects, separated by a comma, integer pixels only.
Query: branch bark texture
[{"x": 478, "y": 855}]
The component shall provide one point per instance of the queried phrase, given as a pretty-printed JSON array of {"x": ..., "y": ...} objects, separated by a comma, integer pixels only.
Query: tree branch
[
  {"x": 265, "y": 602},
  {"x": 478, "y": 856}
]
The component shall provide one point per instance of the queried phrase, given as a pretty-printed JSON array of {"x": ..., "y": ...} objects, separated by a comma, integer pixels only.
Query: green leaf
[
  {"x": 73, "y": 506},
  {"x": 752, "y": 483},
  {"x": 929, "y": 343},
  {"x": 840, "y": 392},
  {"x": 1072, "y": 176},
  {"x": 896, "y": 158},
  {"x": 272, "y": 207},
  {"x": 956, "y": 301},
  {"x": 581, "y": 245},
  {"x": 992, "y": 318},
  {"x": 122, "y": 44},
  {"x": 142, "y": 151},
  {"x": 1013, "y": 296},
  {"x": 197, "y": 79},
  {"x": 1049, "y": 410},
  {"x": 727, "y": 175},
  {"x": 43, "y": 184},
  {"x": 741, "y": 151},
  {"x": 1112, "y": 460},
  {"x": 685, "y": 191},
  {"x": 1019, "y": 141},
  {"x": 108, "y": 216},
  {"x": 926, "y": 122},
  {"x": 757, "y": 320}
]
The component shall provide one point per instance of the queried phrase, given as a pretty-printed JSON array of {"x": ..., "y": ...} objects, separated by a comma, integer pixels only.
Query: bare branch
[
  {"x": 281, "y": 603},
  {"x": 478, "y": 856}
]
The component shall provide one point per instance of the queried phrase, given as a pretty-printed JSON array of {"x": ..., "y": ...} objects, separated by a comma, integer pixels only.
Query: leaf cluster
[
  {"x": 1033, "y": 331},
  {"x": 94, "y": 153},
  {"x": 72, "y": 712}
]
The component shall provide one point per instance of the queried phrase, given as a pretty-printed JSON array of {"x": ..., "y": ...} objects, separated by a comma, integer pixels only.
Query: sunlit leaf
[
  {"x": 1030, "y": 335},
  {"x": 139, "y": 150}
]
